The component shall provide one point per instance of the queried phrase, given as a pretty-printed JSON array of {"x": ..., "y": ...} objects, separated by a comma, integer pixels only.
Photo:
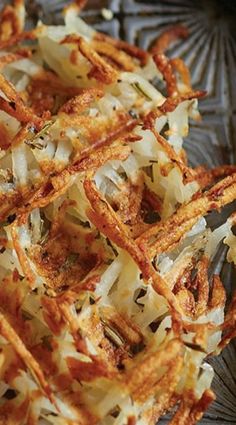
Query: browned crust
[
  {"x": 130, "y": 49},
  {"x": 100, "y": 70}
]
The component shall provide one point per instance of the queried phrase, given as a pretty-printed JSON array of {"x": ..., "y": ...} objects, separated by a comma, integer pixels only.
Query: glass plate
[{"x": 210, "y": 53}]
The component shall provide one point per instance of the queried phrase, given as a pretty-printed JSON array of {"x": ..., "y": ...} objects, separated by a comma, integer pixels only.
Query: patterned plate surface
[{"x": 210, "y": 53}]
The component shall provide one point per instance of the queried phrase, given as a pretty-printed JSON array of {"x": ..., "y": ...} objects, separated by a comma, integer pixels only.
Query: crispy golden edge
[
  {"x": 168, "y": 66},
  {"x": 188, "y": 173},
  {"x": 79, "y": 103},
  {"x": 87, "y": 284},
  {"x": 143, "y": 377},
  {"x": 130, "y": 49},
  {"x": 171, "y": 103},
  {"x": 10, "y": 22},
  {"x": 218, "y": 293},
  {"x": 167, "y": 398},
  {"x": 23, "y": 259},
  {"x": 11, "y": 336},
  {"x": 42, "y": 198},
  {"x": 206, "y": 177},
  {"x": 175, "y": 227},
  {"x": 106, "y": 220},
  {"x": 191, "y": 410},
  {"x": 120, "y": 58},
  {"x": 13, "y": 57},
  {"x": 182, "y": 69},
  {"x": 49, "y": 82},
  {"x": 202, "y": 285},
  {"x": 17, "y": 38},
  {"x": 164, "y": 66},
  {"x": 163, "y": 42},
  {"x": 51, "y": 187},
  {"x": 125, "y": 327},
  {"x": 16, "y": 107},
  {"x": 101, "y": 70}
]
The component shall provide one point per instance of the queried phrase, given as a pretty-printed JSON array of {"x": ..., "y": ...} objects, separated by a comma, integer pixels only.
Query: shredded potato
[{"x": 108, "y": 312}]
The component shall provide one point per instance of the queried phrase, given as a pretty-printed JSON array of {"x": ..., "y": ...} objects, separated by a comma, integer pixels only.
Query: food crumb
[{"x": 107, "y": 14}]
